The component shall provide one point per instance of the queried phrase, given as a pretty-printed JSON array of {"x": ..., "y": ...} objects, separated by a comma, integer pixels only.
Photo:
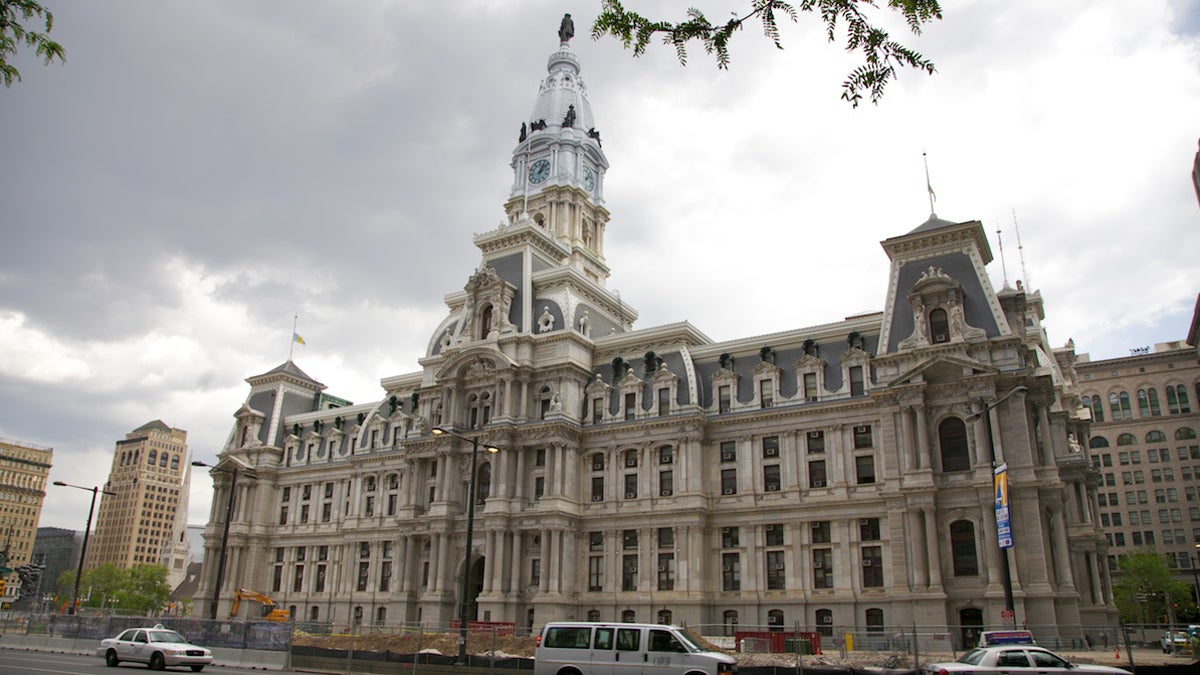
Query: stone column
[
  {"x": 1062, "y": 560},
  {"x": 923, "y": 456},
  {"x": 931, "y": 543},
  {"x": 489, "y": 553},
  {"x": 906, "y": 441},
  {"x": 916, "y": 539},
  {"x": 515, "y": 564},
  {"x": 570, "y": 561},
  {"x": 1046, "y": 452}
]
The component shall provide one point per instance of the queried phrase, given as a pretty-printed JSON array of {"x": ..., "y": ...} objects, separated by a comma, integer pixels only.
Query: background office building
[
  {"x": 135, "y": 524},
  {"x": 23, "y": 470},
  {"x": 58, "y": 549},
  {"x": 835, "y": 476}
]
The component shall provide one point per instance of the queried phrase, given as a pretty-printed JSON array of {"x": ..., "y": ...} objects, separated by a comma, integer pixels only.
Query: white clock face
[
  {"x": 539, "y": 171},
  {"x": 589, "y": 179}
]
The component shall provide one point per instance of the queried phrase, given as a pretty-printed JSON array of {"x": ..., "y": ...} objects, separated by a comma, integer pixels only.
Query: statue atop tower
[{"x": 566, "y": 29}]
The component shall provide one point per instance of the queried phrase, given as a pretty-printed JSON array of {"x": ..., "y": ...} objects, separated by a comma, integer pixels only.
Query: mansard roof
[{"x": 287, "y": 369}]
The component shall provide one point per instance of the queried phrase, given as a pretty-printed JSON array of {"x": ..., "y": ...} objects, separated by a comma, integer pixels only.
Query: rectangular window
[
  {"x": 277, "y": 579},
  {"x": 666, "y": 483},
  {"x": 535, "y": 572},
  {"x": 425, "y": 574},
  {"x": 770, "y": 447},
  {"x": 774, "y": 535},
  {"x": 766, "y": 393},
  {"x": 597, "y": 410},
  {"x": 816, "y": 474},
  {"x": 821, "y": 532},
  {"x": 666, "y": 455},
  {"x": 822, "y": 568},
  {"x": 595, "y": 541},
  {"x": 539, "y": 487},
  {"x": 666, "y": 571},
  {"x": 319, "y": 584},
  {"x": 723, "y": 399},
  {"x": 731, "y": 572},
  {"x": 629, "y": 539},
  {"x": 385, "y": 576},
  {"x": 283, "y": 515},
  {"x": 771, "y": 480},
  {"x": 597, "y": 462},
  {"x": 872, "y": 560},
  {"x": 666, "y": 537},
  {"x": 868, "y": 529},
  {"x": 298, "y": 579},
  {"x": 630, "y": 405},
  {"x": 595, "y": 573},
  {"x": 369, "y": 507},
  {"x": 664, "y": 401},
  {"x": 776, "y": 571},
  {"x": 729, "y": 537},
  {"x": 856, "y": 381},
  {"x": 810, "y": 387},
  {"x": 862, "y": 436},
  {"x": 816, "y": 442},
  {"x": 391, "y": 505},
  {"x": 728, "y": 481},
  {"x": 629, "y": 571},
  {"x": 286, "y": 496},
  {"x": 322, "y": 553},
  {"x": 303, "y": 513},
  {"x": 864, "y": 469},
  {"x": 597, "y": 488},
  {"x": 631, "y": 485},
  {"x": 728, "y": 451}
]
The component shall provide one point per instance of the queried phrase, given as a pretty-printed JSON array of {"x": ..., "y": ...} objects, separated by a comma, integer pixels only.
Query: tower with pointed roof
[
  {"x": 138, "y": 519},
  {"x": 834, "y": 476}
]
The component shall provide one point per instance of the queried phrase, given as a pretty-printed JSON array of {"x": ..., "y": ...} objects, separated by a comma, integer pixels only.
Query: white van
[{"x": 585, "y": 648}]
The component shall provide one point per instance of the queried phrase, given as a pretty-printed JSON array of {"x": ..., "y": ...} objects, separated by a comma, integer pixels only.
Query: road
[{"x": 21, "y": 662}]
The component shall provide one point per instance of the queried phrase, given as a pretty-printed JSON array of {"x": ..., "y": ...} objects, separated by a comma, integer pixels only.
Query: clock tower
[{"x": 559, "y": 166}]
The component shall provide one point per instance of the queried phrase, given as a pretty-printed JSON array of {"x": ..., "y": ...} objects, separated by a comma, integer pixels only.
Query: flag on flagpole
[{"x": 297, "y": 338}]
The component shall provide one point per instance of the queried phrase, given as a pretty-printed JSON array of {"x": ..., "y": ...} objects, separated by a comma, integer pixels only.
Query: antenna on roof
[
  {"x": 929, "y": 186},
  {"x": 1003, "y": 264},
  {"x": 1020, "y": 250}
]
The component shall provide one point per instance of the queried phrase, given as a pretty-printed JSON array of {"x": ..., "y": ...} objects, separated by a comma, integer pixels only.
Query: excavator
[{"x": 269, "y": 611}]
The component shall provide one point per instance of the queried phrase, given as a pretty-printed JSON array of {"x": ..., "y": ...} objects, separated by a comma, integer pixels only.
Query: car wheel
[
  {"x": 197, "y": 668},
  {"x": 157, "y": 662},
  {"x": 110, "y": 658}
]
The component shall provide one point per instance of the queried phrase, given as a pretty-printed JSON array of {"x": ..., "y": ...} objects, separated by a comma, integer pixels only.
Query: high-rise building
[
  {"x": 58, "y": 550},
  {"x": 834, "y": 476},
  {"x": 23, "y": 471},
  {"x": 1145, "y": 411},
  {"x": 134, "y": 524}
]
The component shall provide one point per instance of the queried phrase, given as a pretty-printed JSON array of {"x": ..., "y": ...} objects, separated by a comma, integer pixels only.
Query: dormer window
[
  {"x": 939, "y": 326},
  {"x": 485, "y": 322}
]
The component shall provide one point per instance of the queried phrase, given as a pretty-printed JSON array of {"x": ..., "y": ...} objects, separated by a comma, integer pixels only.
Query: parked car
[
  {"x": 1175, "y": 642},
  {"x": 157, "y": 647},
  {"x": 577, "y": 647},
  {"x": 1010, "y": 656}
]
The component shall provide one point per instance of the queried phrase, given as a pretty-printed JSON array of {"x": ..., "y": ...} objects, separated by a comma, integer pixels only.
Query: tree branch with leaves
[
  {"x": 14, "y": 14},
  {"x": 882, "y": 56}
]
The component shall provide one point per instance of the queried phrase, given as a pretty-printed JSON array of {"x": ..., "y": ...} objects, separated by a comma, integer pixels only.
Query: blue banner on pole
[{"x": 1003, "y": 524}]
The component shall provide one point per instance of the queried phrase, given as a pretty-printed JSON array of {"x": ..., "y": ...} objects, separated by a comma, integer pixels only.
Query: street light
[
  {"x": 1005, "y": 573},
  {"x": 466, "y": 582},
  {"x": 1196, "y": 579},
  {"x": 86, "y": 532},
  {"x": 216, "y": 594}
]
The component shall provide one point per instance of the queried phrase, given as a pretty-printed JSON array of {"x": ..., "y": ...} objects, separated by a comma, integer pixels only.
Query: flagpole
[
  {"x": 292, "y": 341},
  {"x": 928, "y": 185}
]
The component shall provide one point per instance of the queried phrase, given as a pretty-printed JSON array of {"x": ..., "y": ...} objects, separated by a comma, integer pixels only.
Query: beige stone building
[
  {"x": 836, "y": 476},
  {"x": 1145, "y": 419},
  {"x": 23, "y": 471},
  {"x": 135, "y": 524}
]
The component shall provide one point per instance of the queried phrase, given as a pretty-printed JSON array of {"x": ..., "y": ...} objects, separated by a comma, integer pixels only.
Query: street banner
[{"x": 1003, "y": 524}]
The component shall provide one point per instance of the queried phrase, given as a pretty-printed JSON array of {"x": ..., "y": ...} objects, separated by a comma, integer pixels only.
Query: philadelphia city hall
[{"x": 837, "y": 477}]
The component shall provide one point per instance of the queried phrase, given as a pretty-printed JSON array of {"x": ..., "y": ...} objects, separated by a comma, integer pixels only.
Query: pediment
[
  {"x": 246, "y": 411},
  {"x": 479, "y": 362},
  {"x": 943, "y": 368}
]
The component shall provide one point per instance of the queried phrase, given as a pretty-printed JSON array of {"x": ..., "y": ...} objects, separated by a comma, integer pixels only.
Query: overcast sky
[{"x": 199, "y": 172}]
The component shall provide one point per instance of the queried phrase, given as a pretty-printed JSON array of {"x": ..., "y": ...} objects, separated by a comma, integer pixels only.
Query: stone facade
[
  {"x": 829, "y": 476},
  {"x": 23, "y": 471}
]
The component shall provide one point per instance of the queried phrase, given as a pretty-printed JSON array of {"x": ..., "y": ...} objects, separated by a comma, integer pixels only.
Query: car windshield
[
  {"x": 691, "y": 644},
  {"x": 972, "y": 657},
  {"x": 166, "y": 636}
]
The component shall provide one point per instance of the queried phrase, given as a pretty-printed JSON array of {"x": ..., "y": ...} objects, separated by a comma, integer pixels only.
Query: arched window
[
  {"x": 593, "y": 615},
  {"x": 825, "y": 622},
  {"x": 664, "y": 617},
  {"x": 1181, "y": 392},
  {"x": 1126, "y": 439},
  {"x": 162, "y": 460},
  {"x": 1155, "y": 436},
  {"x": 1184, "y": 434},
  {"x": 151, "y": 458},
  {"x": 485, "y": 322},
  {"x": 730, "y": 620},
  {"x": 1114, "y": 404},
  {"x": 1177, "y": 399},
  {"x": 1148, "y": 403},
  {"x": 544, "y": 403},
  {"x": 483, "y": 482},
  {"x": 1126, "y": 411},
  {"x": 952, "y": 437},
  {"x": 631, "y": 459},
  {"x": 939, "y": 326},
  {"x": 962, "y": 547},
  {"x": 1093, "y": 403},
  {"x": 775, "y": 619},
  {"x": 1098, "y": 442},
  {"x": 874, "y": 618},
  {"x": 1155, "y": 409},
  {"x": 629, "y": 616}
]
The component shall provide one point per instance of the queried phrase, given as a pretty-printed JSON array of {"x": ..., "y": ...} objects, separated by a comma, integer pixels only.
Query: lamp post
[
  {"x": 86, "y": 532},
  {"x": 1196, "y": 579},
  {"x": 1005, "y": 573},
  {"x": 466, "y": 581},
  {"x": 234, "y": 472}
]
